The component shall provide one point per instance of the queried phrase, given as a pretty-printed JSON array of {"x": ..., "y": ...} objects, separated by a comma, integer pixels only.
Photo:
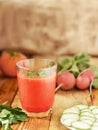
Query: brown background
[{"x": 55, "y": 27}]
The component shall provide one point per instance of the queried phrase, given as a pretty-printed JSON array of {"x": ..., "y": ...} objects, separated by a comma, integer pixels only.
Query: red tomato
[{"x": 8, "y": 62}]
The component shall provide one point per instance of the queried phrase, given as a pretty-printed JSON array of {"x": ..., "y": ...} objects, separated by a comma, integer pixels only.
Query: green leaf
[
  {"x": 62, "y": 70},
  {"x": 4, "y": 113},
  {"x": 59, "y": 67},
  {"x": 82, "y": 58},
  {"x": 75, "y": 70},
  {"x": 83, "y": 66},
  {"x": 9, "y": 115},
  {"x": 94, "y": 69},
  {"x": 65, "y": 65},
  {"x": 67, "y": 62},
  {"x": 41, "y": 73},
  {"x": 95, "y": 83},
  {"x": 31, "y": 74}
]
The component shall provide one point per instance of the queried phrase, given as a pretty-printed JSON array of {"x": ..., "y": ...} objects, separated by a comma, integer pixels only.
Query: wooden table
[{"x": 63, "y": 100}]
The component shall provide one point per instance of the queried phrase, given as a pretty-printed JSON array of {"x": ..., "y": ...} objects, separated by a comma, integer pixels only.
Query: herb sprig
[
  {"x": 41, "y": 73},
  {"x": 9, "y": 115}
]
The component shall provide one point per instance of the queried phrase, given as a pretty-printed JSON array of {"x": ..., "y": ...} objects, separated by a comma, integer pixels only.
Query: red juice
[{"x": 37, "y": 93}]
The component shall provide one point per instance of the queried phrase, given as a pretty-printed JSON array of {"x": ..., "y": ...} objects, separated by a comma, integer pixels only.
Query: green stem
[{"x": 13, "y": 54}]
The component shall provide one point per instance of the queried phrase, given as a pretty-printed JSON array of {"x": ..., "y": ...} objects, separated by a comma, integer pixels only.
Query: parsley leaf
[{"x": 9, "y": 115}]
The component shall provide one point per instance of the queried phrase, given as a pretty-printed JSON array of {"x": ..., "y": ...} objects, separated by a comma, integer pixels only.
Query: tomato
[{"x": 8, "y": 62}]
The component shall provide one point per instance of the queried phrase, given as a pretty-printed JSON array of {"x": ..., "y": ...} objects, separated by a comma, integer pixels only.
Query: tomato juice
[{"x": 36, "y": 93}]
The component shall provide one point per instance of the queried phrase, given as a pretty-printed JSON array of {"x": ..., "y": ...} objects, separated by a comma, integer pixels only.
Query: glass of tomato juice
[{"x": 36, "y": 84}]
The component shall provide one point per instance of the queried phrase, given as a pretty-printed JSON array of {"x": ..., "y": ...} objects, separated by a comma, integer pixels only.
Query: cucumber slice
[
  {"x": 94, "y": 128},
  {"x": 72, "y": 110},
  {"x": 93, "y": 107},
  {"x": 71, "y": 128},
  {"x": 95, "y": 123},
  {"x": 80, "y": 117},
  {"x": 70, "y": 116},
  {"x": 67, "y": 122},
  {"x": 95, "y": 111},
  {"x": 87, "y": 114},
  {"x": 89, "y": 122},
  {"x": 83, "y": 117},
  {"x": 96, "y": 116},
  {"x": 81, "y": 107},
  {"x": 86, "y": 110},
  {"x": 80, "y": 125}
]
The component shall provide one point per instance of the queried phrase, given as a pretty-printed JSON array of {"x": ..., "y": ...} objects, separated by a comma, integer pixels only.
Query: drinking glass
[{"x": 36, "y": 83}]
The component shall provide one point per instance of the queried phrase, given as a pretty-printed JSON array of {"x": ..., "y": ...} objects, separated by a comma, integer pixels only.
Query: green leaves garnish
[
  {"x": 40, "y": 73},
  {"x": 9, "y": 115}
]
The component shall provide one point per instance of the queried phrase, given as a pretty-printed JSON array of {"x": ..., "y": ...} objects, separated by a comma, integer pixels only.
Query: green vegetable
[
  {"x": 9, "y": 115},
  {"x": 80, "y": 117},
  {"x": 40, "y": 73},
  {"x": 95, "y": 83},
  {"x": 94, "y": 69},
  {"x": 75, "y": 64}
]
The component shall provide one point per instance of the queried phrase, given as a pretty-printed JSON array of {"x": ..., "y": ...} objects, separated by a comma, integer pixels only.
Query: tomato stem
[{"x": 13, "y": 54}]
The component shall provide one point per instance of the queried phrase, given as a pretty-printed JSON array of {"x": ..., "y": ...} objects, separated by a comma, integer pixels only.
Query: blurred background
[{"x": 49, "y": 27}]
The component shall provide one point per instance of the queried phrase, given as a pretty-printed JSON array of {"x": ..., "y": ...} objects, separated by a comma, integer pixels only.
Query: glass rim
[{"x": 26, "y": 68}]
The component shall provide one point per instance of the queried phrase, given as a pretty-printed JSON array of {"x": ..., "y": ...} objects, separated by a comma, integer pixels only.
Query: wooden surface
[{"x": 63, "y": 100}]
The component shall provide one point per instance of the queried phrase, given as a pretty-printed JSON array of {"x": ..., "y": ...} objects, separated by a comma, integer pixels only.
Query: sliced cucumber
[
  {"x": 94, "y": 128},
  {"x": 95, "y": 111},
  {"x": 93, "y": 107},
  {"x": 95, "y": 124},
  {"x": 71, "y": 128},
  {"x": 67, "y": 119},
  {"x": 67, "y": 122},
  {"x": 89, "y": 114},
  {"x": 81, "y": 117},
  {"x": 96, "y": 116},
  {"x": 81, "y": 107},
  {"x": 81, "y": 125},
  {"x": 70, "y": 116},
  {"x": 89, "y": 122},
  {"x": 86, "y": 110},
  {"x": 72, "y": 110}
]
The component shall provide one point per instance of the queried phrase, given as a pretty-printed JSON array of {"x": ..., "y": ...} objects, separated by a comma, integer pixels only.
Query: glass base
[{"x": 39, "y": 114}]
